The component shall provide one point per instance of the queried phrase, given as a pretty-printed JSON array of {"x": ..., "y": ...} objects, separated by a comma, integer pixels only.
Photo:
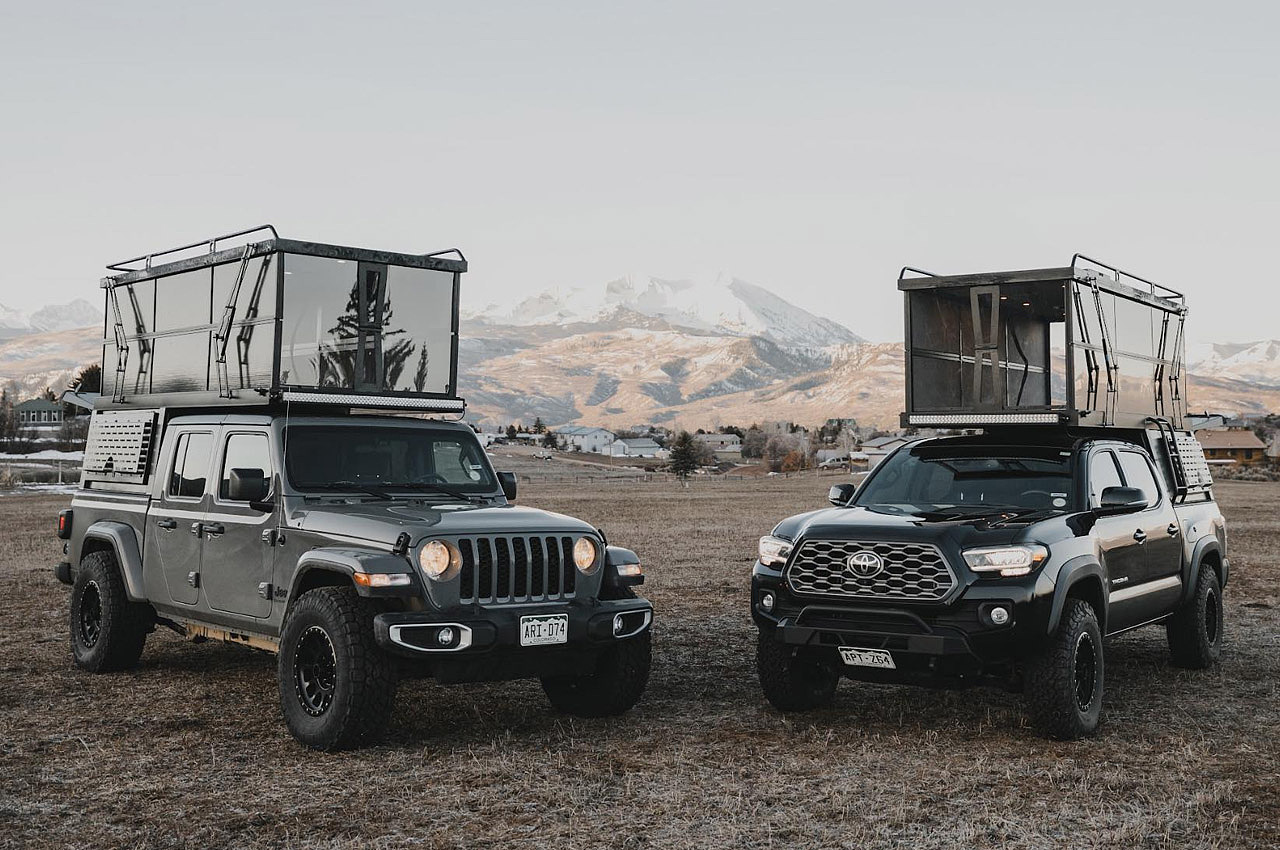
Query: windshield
[
  {"x": 362, "y": 457},
  {"x": 971, "y": 479}
]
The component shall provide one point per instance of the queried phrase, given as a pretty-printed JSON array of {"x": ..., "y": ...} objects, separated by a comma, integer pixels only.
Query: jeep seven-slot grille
[
  {"x": 913, "y": 572},
  {"x": 525, "y": 568}
]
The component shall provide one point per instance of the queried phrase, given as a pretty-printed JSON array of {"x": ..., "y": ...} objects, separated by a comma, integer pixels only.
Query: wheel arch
[
  {"x": 121, "y": 541},
  {"x": 1080, "y": 578},
  {"x": 1208, "y": 552}
]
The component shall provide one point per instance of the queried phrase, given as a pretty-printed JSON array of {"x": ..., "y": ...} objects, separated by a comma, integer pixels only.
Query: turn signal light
[{"x": 382, "y": 579}]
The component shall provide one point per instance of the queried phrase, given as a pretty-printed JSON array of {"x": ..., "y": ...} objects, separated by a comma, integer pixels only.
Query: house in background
[
  {"x": 726, "y": 447},
  {"x": 637, "y": 447},
  {"x": 1232, "y": 446},
  {"x": 878, "y": 448},
  {"x": 39, "y": 414},
  {"x": 584, "y": 438}
]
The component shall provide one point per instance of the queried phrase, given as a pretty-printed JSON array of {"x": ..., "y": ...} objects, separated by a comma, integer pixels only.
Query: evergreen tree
[
  {"x": 511, "y": 432},
  {"x": 684, "y": 454}
]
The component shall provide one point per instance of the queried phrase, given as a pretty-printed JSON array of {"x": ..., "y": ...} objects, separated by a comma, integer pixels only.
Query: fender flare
[
  {"x": 1205, "y": 545},
  {"x": 347, "y": 561},
  {"x": 123, "y": 540},
  {"x": 615, "y": 556},
  {"x": 1072, "y": 573}
]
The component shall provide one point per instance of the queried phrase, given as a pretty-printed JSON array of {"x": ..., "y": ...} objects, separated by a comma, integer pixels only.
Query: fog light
[
  {"x": 445, "y": 636},
  {"x": 766, "y": 601},
  {"x": 999, "y": 616}
]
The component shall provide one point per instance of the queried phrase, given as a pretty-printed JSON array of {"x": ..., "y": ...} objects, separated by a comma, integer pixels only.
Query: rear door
[
  {"x": 238, "y": 546},
  {"x": 173, "y": 538},
  {"x": 1162, "y": 548}
]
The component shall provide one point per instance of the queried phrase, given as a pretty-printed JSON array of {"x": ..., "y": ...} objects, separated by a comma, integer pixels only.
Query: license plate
[
  {"x": 855, "y": 657},
  {"x": 544, "y": 629}
]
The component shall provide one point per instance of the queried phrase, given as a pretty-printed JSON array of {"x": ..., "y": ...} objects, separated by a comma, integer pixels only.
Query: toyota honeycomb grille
[{"x": 911, "y": 572}]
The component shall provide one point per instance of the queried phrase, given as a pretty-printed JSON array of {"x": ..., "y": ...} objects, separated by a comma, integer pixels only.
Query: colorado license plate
[
  {"x": 544, "y": 629},
  {"x": 855, "y": 657}
]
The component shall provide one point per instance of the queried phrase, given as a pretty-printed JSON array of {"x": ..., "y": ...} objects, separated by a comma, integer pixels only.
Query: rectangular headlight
[
  {"x": 774, "y": 550},
  {"x": 1008, "y": 561}
]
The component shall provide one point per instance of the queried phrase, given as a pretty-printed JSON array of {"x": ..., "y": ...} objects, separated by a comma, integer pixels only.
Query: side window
[
  {"x": 190, "y": 466},
  {"x": 1102, "y": 474},
  {"x": 1137, "y": 473},
  {"x": 244, "y": 451}
]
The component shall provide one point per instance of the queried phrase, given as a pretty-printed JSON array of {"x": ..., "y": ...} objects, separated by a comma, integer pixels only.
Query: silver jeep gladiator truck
[
  {"x": 1083, "y": 510},
  {"x": 244, "y": 482}
]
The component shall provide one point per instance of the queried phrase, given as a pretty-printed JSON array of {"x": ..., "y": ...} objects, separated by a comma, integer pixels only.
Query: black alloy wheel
[
  {"x": 1085, "y": 669},
  {"x": 315, "y": 671},
  {"x": 90, "y": 619}
]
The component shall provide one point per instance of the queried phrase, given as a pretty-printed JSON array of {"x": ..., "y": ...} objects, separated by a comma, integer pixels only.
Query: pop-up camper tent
[
  {"x": 278, "y": 320},
  {"x": 1086, "y": 344}
]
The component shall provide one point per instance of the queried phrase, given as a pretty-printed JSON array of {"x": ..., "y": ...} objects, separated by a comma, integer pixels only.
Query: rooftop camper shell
[
  {"x": 250, "y": 319},
  {"x": 268, "y": 320},
  {"x": 1085, "y": 346}
]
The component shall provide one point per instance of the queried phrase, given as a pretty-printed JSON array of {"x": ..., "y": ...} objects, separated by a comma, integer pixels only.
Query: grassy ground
[{"x": 189, "y": 749}]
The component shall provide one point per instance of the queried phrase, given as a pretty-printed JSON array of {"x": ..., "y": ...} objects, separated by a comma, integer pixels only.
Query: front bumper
[
  {"x": 478, "y": 630},
  {"x": 932, "y": 644}
]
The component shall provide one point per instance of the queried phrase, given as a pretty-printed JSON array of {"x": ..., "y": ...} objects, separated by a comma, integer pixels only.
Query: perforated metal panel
[
  {"x": 915, "y": 572},
  {"x": 119, "y": 446},
  {"x": 1195, "y": 468}
]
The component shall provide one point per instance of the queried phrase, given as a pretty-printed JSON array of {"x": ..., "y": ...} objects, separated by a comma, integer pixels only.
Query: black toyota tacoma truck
[{"x": 1006, "y": 557}]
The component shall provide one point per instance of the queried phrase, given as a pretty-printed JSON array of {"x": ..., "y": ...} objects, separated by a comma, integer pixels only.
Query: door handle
[
  {"x": 196, "y": 528},
  {"x": 214, "y": 528},
  {"x": 1173, "y": 529},
  {"x": 167, "y": 524},
  {"x": 1140, "y": 536}
]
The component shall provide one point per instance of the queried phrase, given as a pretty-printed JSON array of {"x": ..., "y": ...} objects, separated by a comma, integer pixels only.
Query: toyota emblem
[{"x": 865, "y": 564}]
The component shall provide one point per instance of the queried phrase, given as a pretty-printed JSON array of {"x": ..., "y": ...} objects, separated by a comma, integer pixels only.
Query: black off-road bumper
[
  {"x": 485, "y": 644},
  {"x": 63, "y": 573},
  {"x": 953, "y": 644}
]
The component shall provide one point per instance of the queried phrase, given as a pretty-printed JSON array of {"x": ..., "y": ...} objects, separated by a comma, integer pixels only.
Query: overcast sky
[{"x": 812, "y": 148}]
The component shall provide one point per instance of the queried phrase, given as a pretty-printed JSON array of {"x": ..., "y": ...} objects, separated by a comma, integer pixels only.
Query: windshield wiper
[
  {"x": 350, "y": 485},
  {"x": 965, "y": 513},
  {"x": 430, "y": 485}
]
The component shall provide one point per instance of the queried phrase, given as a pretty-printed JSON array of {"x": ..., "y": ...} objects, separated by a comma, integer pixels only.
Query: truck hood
[
  {"x": 383, "y": 522},
  {"x": 857, "y": 523}
]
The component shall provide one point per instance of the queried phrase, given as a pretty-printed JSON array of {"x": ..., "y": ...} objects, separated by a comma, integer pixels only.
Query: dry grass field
[{"x": 189, "y": 750}]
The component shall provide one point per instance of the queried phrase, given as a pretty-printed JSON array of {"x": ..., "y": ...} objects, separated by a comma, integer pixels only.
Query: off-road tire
[
  {"x": 1064, "y": 682},
  {"x": 331, "y": 629},
  {"x": 620, "y": 676},
  {"x": 792, "y": 681},
  {"x": 107, "y": 630},
  {"x": 1195, "y": 630}
]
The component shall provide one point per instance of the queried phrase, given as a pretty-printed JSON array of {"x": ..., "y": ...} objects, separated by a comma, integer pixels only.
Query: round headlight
[
  {"x": 439, "y": 560},
  {"x": 584, "y": 555}
]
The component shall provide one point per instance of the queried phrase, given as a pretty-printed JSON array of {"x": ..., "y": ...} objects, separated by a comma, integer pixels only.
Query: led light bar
[
  {"x": 430, "y": 405},
  {"x": 984, "y": 418}
]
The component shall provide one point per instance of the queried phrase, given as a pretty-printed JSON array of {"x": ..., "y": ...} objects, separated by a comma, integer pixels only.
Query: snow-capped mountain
[
  {"x": 725, "y": 306},
  {"x": 49, "y": 319},
  {"x": 1255, "y": 362}
]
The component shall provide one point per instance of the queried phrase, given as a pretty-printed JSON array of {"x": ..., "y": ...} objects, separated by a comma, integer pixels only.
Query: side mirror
[
  {"x": 247, "y": 485},
  {"x": 1122, "y": 500},
  {"x": 508, "y": 482},
  {"x": 840, "y": 494}
]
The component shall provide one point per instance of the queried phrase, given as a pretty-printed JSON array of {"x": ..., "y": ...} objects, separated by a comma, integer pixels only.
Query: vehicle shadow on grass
[{"x": 429, "y": 714}]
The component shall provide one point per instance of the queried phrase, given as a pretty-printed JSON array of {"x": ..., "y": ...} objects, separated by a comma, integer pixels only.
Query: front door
[
  {"x": 238, "y": 546},
  {"x": 1121, "y": 540},
  {"x": 173, "y": 537}
]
